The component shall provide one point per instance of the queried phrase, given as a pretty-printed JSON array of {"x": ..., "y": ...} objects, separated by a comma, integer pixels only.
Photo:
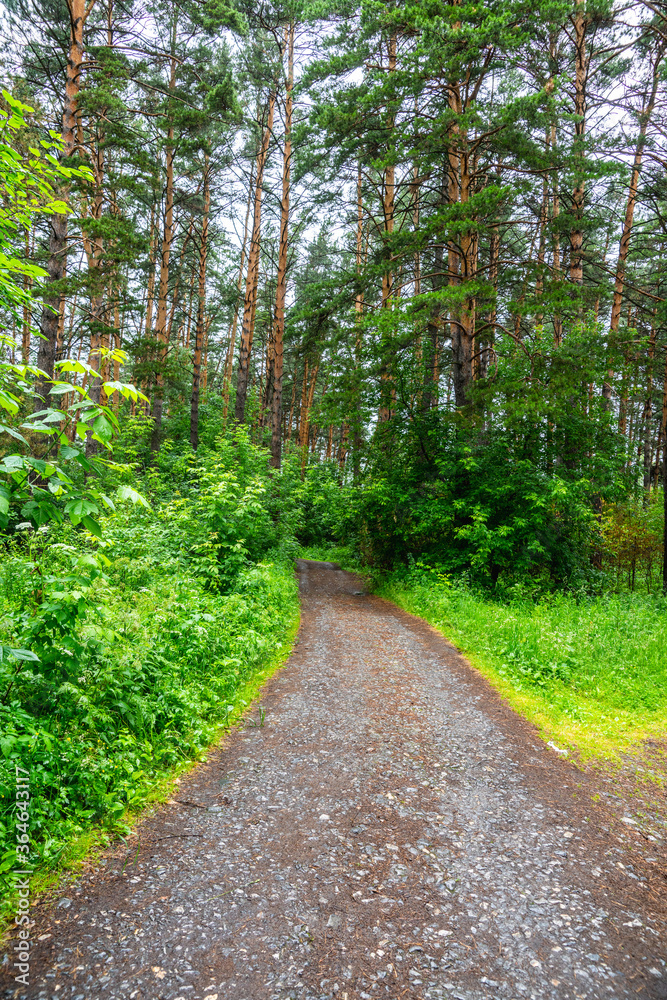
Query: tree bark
[
  {"x": 648, "y": 412},
  {"x": 252, "y": 281},
  {"x": 388, "y": 212},
  {"x": 281, "y": 285},
  {"x": 664, "y": 503},
  {"x": 94, "y": 250},
  {"x": 25, "y": 339},
  {"x": 358, "y": 340},
  {"x": 229, "y": 360},
  {"x": 56, "y": 263},
  {"x": 462, "y": 254},
  {"x": 307, "y": 404},
  {"x": 626, "y": 235},
  {"x": 165, "y": 254},
  {"x": 580, "y": 24},
  {"x": 201, "y": 311}
]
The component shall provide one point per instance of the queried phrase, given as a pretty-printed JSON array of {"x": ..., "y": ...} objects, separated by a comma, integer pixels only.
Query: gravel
[{"x": 392, "y": 830}]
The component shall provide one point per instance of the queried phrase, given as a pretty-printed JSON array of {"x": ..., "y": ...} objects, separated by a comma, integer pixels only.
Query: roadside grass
[
  {"x": 85, "y": 849},
  {"x": 341, "y": 554},
  {"x": 590, "y": 673},
  {"x": 166, "y": 667}
]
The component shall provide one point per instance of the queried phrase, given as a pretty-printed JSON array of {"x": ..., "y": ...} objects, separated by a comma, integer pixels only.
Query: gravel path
[{"x": 392, "y": 830}]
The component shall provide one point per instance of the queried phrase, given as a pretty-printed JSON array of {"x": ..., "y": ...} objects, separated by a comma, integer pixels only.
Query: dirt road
[{"x": 392, "y": 830}]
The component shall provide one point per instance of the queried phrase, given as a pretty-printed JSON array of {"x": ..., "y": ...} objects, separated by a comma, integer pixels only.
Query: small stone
[
  {"x": 335, "y": 920},
  {"x": 65, "y": 903}
]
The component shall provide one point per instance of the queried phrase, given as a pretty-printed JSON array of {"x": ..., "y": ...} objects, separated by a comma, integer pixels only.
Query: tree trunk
[
  {"x": 252, "y": 281},
  {"x": 486, "y": 349},
  {"x": 58, "y": 223},
  {"x": 27, "y": 318},
  {"x": 388, "y": 213},
  {"x": 165, "y": 254},
  {"x": 580, "y": 24},
  {"x": 664, "y": 505},
  {"x": 302, "y": 407},
  {"x": 229, "y": 361},
  {"x": 463, "y": 325},
  {"x": 664, "y": 476},
  {"x": 307, "y": 404},
  {"x": 281, "y": 286},
  {"x": 556, "y": 262},
  {"x": 201, "y": 310},
  {"x": 94, "y": 250},
  {"x": 648, "y": 412},
  {"x": 358, "y": 340},
  {"x": 288, "y": 423},
  {"x": 152, "y": 254},
  {"x": 624, "y": 245}
]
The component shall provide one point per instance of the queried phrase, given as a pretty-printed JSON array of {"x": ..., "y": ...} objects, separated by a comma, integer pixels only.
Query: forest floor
[{"x": 383, "y": 825}]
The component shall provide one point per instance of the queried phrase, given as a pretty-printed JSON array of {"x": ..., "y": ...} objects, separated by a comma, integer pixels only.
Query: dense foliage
[
  {"x": 590, "y": 670},
  {"x": 124, "y": 655},
  {"x": 381, "y": 276}
]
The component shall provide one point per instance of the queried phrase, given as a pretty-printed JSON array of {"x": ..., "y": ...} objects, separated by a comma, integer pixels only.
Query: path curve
[{"x": 392, "y": 831}]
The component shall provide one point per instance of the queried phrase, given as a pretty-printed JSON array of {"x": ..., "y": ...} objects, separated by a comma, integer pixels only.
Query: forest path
[{"x": 393, "y": 830}]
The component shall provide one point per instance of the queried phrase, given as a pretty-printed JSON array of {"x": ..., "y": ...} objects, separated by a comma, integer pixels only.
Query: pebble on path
[{"x": 392, "y": 831}]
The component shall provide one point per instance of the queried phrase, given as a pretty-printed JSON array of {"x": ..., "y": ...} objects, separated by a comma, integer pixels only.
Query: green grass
[
  {"x": 164, "y": 664},
  {"x": 336, "y": 554},
  {"x": 90, "y": 844},
  {"x": 592, "y": 674}
]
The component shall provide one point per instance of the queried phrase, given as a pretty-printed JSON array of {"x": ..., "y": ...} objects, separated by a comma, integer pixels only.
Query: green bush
[
  {"x": 610, "y": 650},
  {"x": 122, "y": 658}
]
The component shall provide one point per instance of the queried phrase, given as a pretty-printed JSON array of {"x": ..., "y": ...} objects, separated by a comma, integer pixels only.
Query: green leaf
[
  {"x": 91, "y": 525},
  {"x": 80, "y": 508},
  {"x": 12, "y": 433},
  {"x": 17, "y": 654},
  {"x": 12, "y": 463},
  {"x": 127, "y": 493}
]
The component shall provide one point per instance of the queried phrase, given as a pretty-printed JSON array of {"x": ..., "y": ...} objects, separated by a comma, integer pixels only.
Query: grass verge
[
  {"x": 335, "y": 554},
  {"x": 591, "y": 674},
  {"x": 167, "y": 671}
]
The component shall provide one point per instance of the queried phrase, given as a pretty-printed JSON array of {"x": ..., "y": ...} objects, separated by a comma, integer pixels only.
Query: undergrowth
[
  {"x": 124, "y": 657},
  {"x": 590, "y": 672}
]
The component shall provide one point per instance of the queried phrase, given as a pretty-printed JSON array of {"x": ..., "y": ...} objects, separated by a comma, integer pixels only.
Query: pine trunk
[
  {"x": 626, "y": 235},
  {"x": 388, "y": 213},
  {"x": 56, "y": 263},
  {"x": 580, "y": 25},
  {"x": 165, "y": 254},
  {"x": 252, "y": 281},
  {"x": 229, "y": 361},
  {"x": 201, "y": 311},
  {"x": 281, "y": 288}
]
